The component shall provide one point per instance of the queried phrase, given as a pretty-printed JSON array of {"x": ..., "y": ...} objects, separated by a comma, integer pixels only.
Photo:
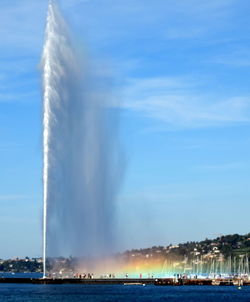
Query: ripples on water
[{"x": 109, "y": 293}]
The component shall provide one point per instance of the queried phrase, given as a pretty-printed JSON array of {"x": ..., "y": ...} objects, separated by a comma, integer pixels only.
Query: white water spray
[
  {"x": 80, "y": 158},
  {"x": 47, "y": 91}
]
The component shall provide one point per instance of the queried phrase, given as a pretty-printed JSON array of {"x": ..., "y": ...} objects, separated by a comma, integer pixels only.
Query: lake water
[
  {"x": 20, "y": 275},
  {"x": 128, "y": 293}
]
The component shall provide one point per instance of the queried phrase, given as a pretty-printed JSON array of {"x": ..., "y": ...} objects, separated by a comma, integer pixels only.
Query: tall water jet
[{"x": 81, "y": 168}]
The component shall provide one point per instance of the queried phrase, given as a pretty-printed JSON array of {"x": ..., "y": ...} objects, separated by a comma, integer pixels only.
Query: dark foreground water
[{"x": 109, "y": 293}]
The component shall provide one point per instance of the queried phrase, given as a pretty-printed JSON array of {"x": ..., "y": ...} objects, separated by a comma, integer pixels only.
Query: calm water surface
[{"x": 109, "y": 293}]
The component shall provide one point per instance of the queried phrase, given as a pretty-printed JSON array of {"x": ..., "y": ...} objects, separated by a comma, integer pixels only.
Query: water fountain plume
[{"x": 81, "y": 171}]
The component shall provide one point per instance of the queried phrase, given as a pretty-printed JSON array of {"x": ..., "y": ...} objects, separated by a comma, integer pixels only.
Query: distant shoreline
[{"x": 130, "y": 281}]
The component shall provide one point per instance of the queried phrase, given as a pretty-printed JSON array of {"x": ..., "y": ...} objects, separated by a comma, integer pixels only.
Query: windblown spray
[{"x": 80, "y": 155}]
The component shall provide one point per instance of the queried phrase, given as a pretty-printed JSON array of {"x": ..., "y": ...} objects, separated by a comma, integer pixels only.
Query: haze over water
[{"x": 81, "y": 171}]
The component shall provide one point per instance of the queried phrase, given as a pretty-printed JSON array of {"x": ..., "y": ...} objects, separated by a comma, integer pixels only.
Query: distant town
[{"x": 228, "y": 253}]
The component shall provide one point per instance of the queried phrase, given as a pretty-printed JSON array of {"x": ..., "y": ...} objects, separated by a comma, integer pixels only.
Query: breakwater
[{"x": 130, "y": 281}]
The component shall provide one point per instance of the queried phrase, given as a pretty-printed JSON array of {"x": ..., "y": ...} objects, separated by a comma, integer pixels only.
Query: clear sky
[{"x": 181, "y": 70}]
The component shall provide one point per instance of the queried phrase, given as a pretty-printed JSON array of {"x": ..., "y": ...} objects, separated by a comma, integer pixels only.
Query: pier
[{"x": 130, "y": 281}]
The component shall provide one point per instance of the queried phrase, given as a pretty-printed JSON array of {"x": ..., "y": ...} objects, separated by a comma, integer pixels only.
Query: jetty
[{"x": 129, "y": 281}]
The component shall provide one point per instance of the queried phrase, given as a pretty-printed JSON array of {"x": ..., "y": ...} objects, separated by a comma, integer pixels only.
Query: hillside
[{"x": 228, "y": 253}]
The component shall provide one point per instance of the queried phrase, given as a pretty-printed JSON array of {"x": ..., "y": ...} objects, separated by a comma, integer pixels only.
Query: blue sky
[{"x": 180, "y": 70}]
